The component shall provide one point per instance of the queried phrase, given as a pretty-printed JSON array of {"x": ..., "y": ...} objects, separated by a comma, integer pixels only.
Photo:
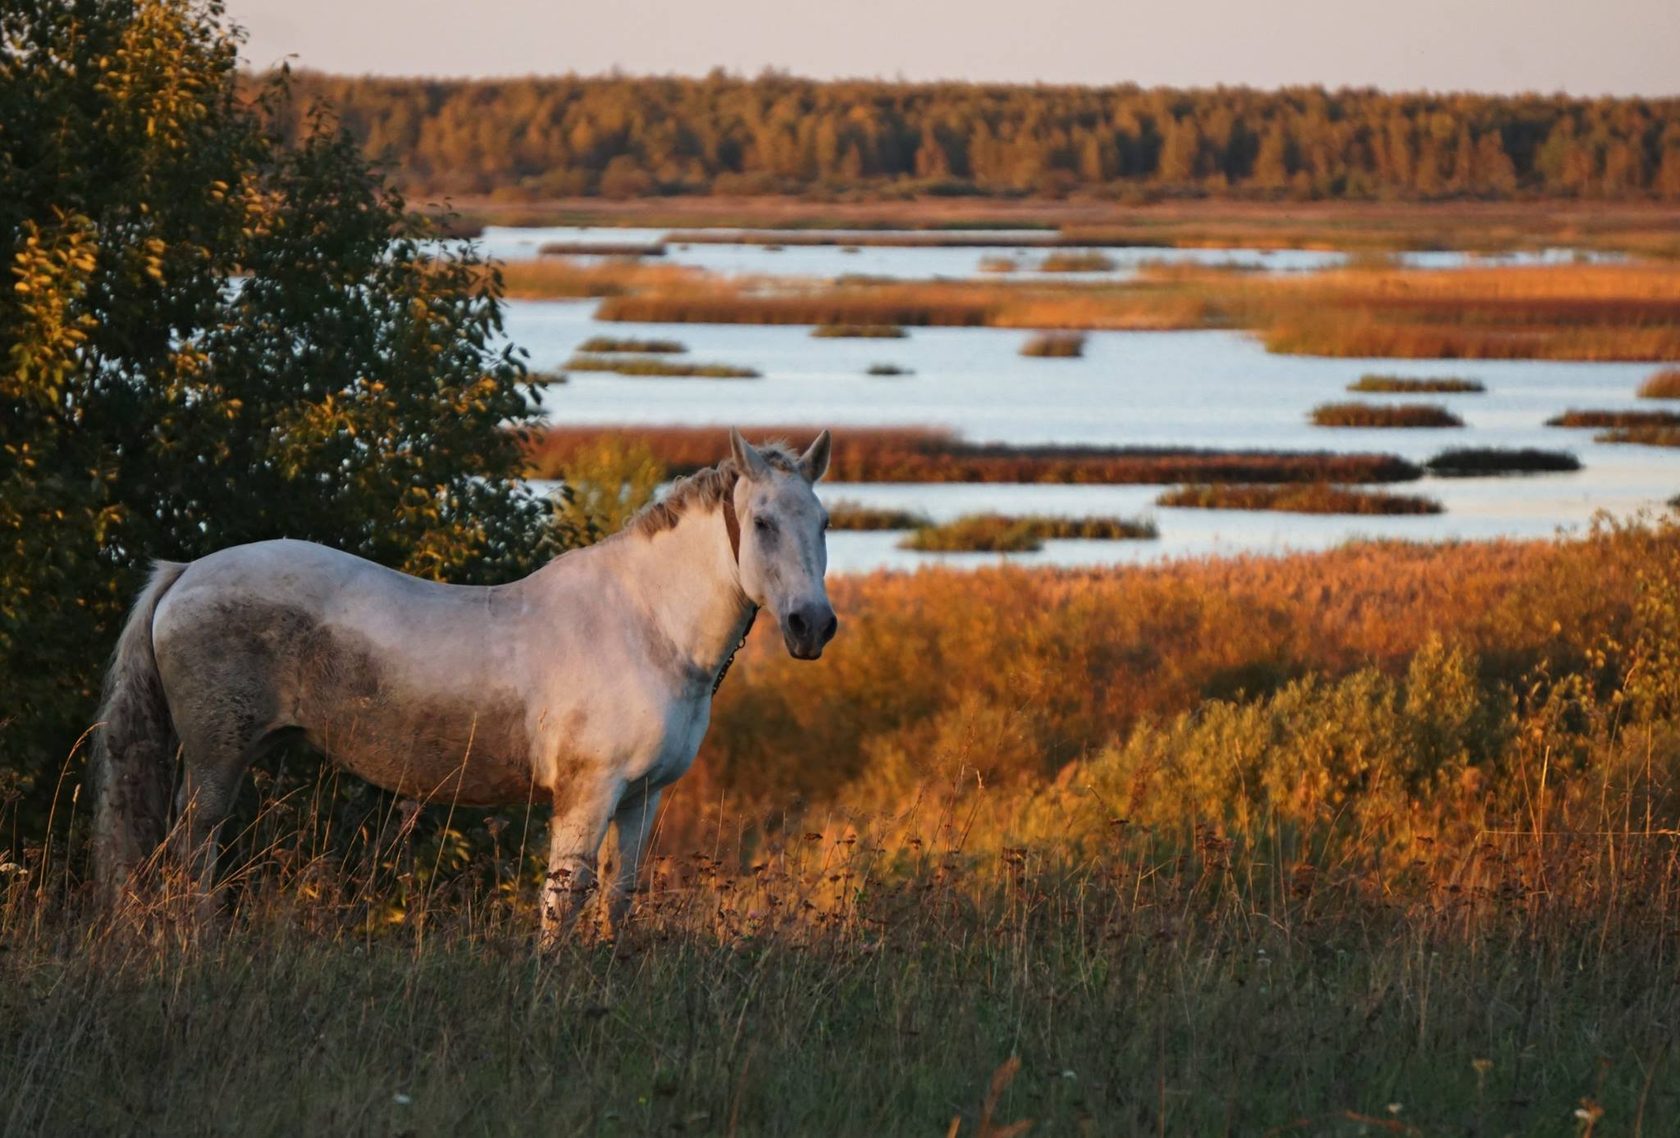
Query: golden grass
[
  {"x": 1404, "y": 385},
  {"x": 1585, "y": 312},
  {"x": 1309, "y": 498},
  {"x": 559, "y": 278},
  {"x": 1575, "y": 417},
  {"x": 846, "y": 515},
  {"x": 643, "y": 366},
  {"x": 1664, "y": 384},
  {"x": 916, "y": 454},
  {"x": 858, "y": 332},
  {"x": 1407, "y": 415},
  {"x": 1079, "y": 262},
  {"x": 1002, "y": 533},
  {"x": 601, "y": 249}
]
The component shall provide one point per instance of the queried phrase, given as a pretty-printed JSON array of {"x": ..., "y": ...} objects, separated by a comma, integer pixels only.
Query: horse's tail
[{"x": 133, "y": 750}]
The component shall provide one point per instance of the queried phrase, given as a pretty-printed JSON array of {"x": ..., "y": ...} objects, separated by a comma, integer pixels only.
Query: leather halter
[{"x": 732, "y": 525}]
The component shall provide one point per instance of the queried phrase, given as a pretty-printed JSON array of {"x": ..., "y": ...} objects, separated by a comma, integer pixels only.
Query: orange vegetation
[
  {"x": 1016, "y": 673},
  {"x": 919, "y": 454}
]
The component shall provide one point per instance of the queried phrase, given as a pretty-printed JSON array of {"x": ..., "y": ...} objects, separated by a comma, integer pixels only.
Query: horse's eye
[{"x": 762, "y": 525}]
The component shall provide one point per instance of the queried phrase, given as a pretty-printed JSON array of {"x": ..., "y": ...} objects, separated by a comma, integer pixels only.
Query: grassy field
[{"x": 1374, "y": 841}]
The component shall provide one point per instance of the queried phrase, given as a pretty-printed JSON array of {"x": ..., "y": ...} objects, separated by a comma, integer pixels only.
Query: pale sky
[{"x": 1583, "y": 47}]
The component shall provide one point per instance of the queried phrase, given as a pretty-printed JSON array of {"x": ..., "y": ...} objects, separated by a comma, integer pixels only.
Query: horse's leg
[
  {"x": 634, "y": 823},
  {"x": 575, "y": 832},
  {"x": 216, "y": 749}
]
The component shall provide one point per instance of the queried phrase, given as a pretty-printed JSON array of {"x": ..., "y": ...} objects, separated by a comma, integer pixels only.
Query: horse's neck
[{"x": 686, "y": 582}]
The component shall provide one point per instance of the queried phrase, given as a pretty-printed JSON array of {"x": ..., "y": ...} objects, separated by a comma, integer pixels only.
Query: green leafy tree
[{"x": 216, "y": 331}]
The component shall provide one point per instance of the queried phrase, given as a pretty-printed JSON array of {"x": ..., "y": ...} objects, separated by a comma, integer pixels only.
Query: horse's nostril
[
  {"x": 796, "y": 624},
  {"x": 831, "y": 628}
]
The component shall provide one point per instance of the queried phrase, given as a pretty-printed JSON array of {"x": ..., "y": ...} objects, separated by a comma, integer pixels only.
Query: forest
[{"x": 626, "y": 137}]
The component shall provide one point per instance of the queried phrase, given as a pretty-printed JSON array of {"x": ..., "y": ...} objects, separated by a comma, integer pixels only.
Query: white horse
[{"x": 588, "y": 684}]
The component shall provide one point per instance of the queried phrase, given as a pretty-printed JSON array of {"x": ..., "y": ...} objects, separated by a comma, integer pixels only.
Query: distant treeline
[{"x": 626, "y": 137}]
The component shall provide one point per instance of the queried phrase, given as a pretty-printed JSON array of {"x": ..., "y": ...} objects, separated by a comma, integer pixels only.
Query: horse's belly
[{"x": 475, "y": 753}]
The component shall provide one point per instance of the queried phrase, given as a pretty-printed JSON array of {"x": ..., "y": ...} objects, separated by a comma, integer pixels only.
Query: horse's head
[{"x": 783, "y": 547}]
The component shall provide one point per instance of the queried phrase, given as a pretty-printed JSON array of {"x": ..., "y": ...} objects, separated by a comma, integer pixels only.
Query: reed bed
[
  {"x": 1002, "y": 533},
  {"x": 1633, "y": 419},
  {"x": 916, "y": 454},
  {"x": 1318, "y": 337},
  {"x": 1664, "y": 384},
  {"x": 1406, "y": 385},
  {"x": 598, "y": 345},
  {"x": 891, "y": 239},
  {"x": 561, "y": 278},
  {"x": 1080, "y": 262},
  {"x": 601, "y": 249},
  {"x": 645, "y": 367},
  {"x": 1473, "y": 462},
  {"x": 1412, "y": 415},
  {"x": 1641, "y": 436},
  {"x": 1055, "y": 345},
  {"x": 858, "y": 332},
  {"x": 1309, "y": 498},
  {"x": 849, "y": 305},
  {"x": 847, "y": 515},
  {"x": 1582, "y": 312},
  {"x": 1378, "y": 839}
]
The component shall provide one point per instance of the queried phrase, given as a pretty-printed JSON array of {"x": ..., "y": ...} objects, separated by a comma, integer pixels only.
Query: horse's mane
[{"x": 704, "y": 489}]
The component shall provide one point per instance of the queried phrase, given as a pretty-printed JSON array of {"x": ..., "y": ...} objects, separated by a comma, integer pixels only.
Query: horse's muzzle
[{"x": 808, "y": 628}]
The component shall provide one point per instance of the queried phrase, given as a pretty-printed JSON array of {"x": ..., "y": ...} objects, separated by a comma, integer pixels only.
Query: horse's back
[{"x": 404, "y": 682}]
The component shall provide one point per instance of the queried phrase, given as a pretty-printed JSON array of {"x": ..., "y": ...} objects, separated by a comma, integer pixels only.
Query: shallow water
[
  {"x": 1202, "y": 389},
  {"x": 828, "y": 261}
]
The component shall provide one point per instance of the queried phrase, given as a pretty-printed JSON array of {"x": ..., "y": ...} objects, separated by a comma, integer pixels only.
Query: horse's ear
[
  {"x": 748, "y": 461},
  {"x": 814, "y": 462}
]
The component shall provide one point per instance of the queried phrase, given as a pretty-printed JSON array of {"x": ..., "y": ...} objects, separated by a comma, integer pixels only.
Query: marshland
[{"x": 1202, "y": 751}]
